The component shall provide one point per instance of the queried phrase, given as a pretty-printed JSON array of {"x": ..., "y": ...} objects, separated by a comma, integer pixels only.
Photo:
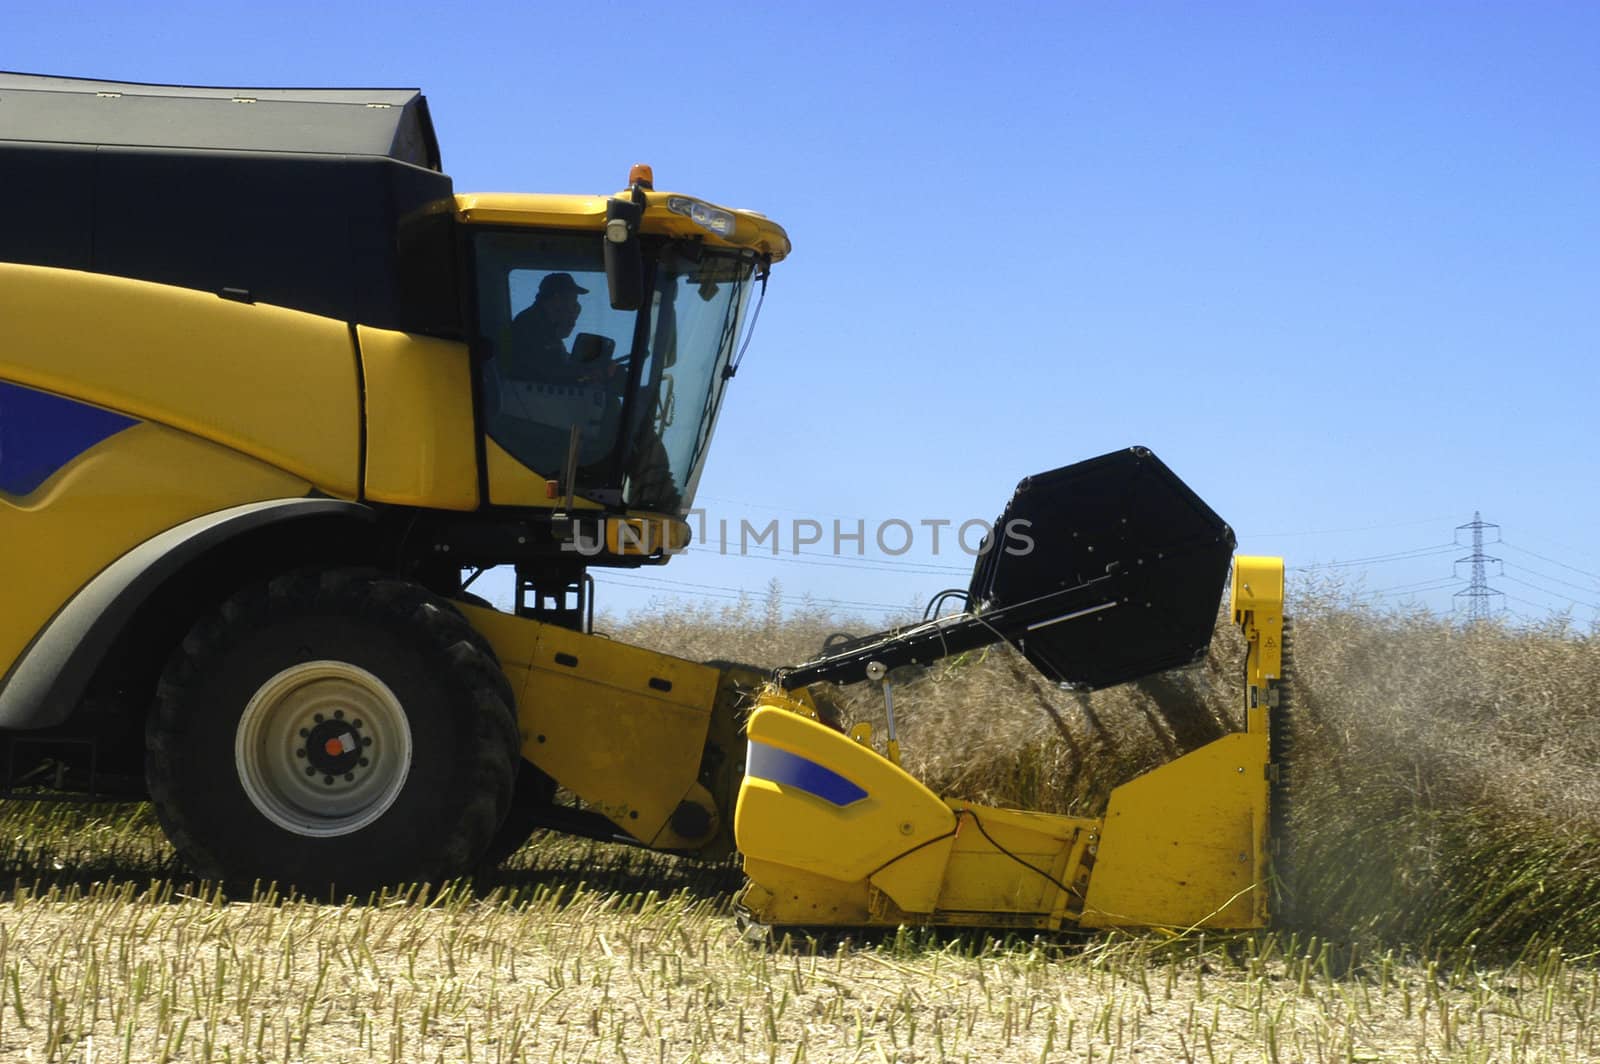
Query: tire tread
[{"x": 482, "y": 702}]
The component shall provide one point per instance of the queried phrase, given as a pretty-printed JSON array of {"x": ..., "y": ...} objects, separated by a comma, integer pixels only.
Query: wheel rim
[{"x": 323, "y": 748}]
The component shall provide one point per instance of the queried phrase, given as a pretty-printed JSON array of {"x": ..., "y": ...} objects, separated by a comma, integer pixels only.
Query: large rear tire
[{"x": 334, "y": 731}]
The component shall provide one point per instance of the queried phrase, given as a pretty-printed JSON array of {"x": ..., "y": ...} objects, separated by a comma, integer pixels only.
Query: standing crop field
[{"x": 1442, "y": 905}]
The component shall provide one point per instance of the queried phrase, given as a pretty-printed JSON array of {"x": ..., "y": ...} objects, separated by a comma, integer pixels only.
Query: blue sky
[{"x": 1335, "y": 263}]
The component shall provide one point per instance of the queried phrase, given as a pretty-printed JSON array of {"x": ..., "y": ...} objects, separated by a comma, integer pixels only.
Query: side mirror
[{"x": 624, "y": 257}]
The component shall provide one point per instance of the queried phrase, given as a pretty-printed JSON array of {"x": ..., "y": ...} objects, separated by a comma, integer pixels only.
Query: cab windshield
[{"x": 630, "y": 396}]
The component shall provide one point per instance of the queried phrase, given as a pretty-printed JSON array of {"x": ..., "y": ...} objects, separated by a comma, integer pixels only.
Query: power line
[
  {"x": 1529, "y": 602},
  {"x": 1555, "y": 594},
  {"x": 640, "y": 581},
  {"x": 907, "y": 568},
  {"x": 1552, "y": 579},
  {"x": 725, "y": 592},
  {"x": 1436, "y": 584},
  {"x": 1587, "y": 552},
  {"x": 1400, "y": 556},
  {"x": 1340, "y": 531},
  {"x": 1552, "y": 561}
]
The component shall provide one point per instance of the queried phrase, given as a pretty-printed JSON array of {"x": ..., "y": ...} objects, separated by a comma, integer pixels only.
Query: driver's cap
[{"x": 560, "y": 284}]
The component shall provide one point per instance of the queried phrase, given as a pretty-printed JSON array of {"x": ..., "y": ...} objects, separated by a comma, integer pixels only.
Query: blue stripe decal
[
  {"x": 780, "y": 766},
  {"x": 40, "y": 433}
]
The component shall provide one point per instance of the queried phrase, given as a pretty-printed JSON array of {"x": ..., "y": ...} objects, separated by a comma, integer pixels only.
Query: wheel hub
[
  {"x": 335, "y": 747},
  {"x": 323, "y": 748}
]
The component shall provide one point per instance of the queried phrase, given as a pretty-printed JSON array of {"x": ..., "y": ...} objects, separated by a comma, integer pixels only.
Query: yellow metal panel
[
  {"x": 751, "y": 230},
  {"x": 986, "y": 873},
  {"x": 278, "y": 385},
  {"x": 1180, "y": 846},
  {"x": 800, "y": 898},
  {"x": 532, "y": 209},
  {"x": 629, "y": 756},
  {"x": 132, "y": 486},
  {"x": 809, "y": 858},
  {"x": 1256, "y": 600},
  {"x": 621, "y": 727},
  {"x": 515, "y": 641},
  {"x": 601, "y": 729},
  {"x": 786, "y": 825},
  {"x": 420, "y": 433},
  {"x": 513, "y": 484},
  {"x": 914, "y": 881},
  {"x": 629, "y": 668}
]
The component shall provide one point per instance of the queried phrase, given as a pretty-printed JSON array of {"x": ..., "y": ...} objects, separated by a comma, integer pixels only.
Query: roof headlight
[{"x": 707, "y": 217}]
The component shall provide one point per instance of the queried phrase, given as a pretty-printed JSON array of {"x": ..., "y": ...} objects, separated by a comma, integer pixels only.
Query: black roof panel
[
  {"x": 390, "y": 123},
  {"x": 300, "y": 198}
]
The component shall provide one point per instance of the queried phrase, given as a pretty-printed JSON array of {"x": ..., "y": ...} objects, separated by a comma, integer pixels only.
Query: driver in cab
[{"x": 538, "y": 338}]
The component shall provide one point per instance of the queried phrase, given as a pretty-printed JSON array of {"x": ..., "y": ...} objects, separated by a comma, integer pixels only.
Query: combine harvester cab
[{"x": 1116, "y": 576}]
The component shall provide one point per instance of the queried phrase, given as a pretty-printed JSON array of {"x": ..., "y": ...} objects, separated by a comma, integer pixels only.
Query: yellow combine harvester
[{"x": 273, "y": 395}]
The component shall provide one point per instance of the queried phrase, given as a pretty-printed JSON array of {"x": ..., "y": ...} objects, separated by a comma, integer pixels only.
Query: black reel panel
[
  {"x": 1099, "y": 572},
  {"x": 1138, "y": 560}
]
